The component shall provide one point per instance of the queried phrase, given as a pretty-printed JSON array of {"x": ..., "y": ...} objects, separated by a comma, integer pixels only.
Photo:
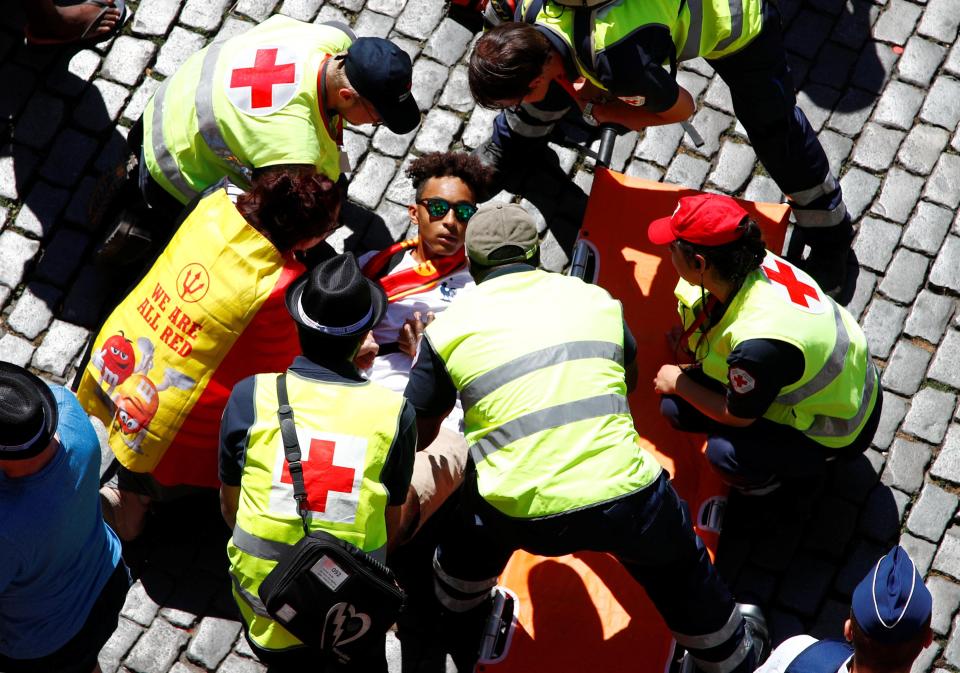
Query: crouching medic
[{"x": 357, "y": 442}]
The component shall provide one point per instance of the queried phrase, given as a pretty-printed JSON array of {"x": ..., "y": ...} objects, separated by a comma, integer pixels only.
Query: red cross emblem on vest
[
  {"x": 321, "y": 476},
  {"x": 799, "y": 292},
  {"x": 261, "y": 80}
]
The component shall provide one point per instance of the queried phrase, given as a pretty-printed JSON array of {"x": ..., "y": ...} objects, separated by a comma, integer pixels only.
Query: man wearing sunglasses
[{"x": 422, "y": 276}]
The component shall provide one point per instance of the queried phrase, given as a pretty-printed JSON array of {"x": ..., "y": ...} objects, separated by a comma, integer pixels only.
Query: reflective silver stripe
[
  {"x": 831, "y": 368},
  {"x": 728, "y": 664},
  {"x": 252, "y": 601},
  {"x": 463, "y": 586},
  {"x": 806, "y": 196},
  {"x": 249, "y": 543},
  {"x": 820, "y": 218},
  {"x": 828, "y": 426},
  {"x": 207, "y": 121},
  {"x": 545, "y": 419},
  {"x": 341, "y": 26},
  {"x": 715, "y": 638},
  {"x": 691, "y": 48},
  {"x": 483, "y": 385},
  {"x": 524, "y": 129},
  {"x": 456, "y": 604},
  {"x": 736, "y": 25},
  {"x": 168, "y": 166},
  {"x": 548, "y": 116}
]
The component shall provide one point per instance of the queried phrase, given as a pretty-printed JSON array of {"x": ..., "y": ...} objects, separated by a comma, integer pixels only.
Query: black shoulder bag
[{"x": 327, "y": 592}]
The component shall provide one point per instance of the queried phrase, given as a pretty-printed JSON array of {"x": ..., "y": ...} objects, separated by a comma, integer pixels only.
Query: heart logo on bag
[{"x": 348, "y": 624}]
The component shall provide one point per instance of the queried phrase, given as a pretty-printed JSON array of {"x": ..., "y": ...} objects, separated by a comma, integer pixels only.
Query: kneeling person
[{"x": 357, "y": 438}]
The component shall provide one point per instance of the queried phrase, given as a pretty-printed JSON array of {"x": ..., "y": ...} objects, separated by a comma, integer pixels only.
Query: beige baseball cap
[{"x": 501, "y": 233}]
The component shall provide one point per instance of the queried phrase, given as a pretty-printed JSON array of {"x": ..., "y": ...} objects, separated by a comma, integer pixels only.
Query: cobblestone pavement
[{"x": 879, "y": 81}]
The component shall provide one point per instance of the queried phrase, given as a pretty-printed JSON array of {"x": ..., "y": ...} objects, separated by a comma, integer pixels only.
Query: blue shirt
[{"x": 56, "y": 553}]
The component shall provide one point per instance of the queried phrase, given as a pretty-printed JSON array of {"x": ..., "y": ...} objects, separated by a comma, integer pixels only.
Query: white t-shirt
[
  {"x": 789, "y": 650},
  {"x": 393, "y": 369}
]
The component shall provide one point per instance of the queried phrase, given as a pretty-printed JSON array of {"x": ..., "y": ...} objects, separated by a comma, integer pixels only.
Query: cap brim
[
  {"x": 377, "y": 296},
  {"x": 402, "y": 118},
  {"x": 659, "y": 232},
  {"x": 51, "y": 413}
]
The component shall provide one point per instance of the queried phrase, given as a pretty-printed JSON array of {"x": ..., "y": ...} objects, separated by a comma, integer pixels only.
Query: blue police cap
[{"x": 892, "y": 604}]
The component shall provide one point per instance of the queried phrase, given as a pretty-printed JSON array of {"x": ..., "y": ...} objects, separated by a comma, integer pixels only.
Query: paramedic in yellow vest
[
  {"x": 542, "y": 362},
  {"x": 616, "y": 64},
  {"x": 277, "y": 94},
  {"x": 357, "y": 439},
  {"x": 781, "y": 379}
]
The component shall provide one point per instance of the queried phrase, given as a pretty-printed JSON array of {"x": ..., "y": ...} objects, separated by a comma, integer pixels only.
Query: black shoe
[
  {"x": 127, "y": 241},
  {"x": 829, "y": 268},
  {"x": 756, "y": 625}
]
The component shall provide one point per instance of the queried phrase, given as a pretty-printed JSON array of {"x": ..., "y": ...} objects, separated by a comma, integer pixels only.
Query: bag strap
[{"x": 291, "y": 449}]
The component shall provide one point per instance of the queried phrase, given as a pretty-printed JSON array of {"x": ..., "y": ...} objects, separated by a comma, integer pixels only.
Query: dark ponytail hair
[
  {"x": 290, "y": 204},
  {"x": 734, "y": 260}
]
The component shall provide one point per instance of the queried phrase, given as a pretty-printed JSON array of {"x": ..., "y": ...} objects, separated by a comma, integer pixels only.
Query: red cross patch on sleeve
[
  {"x": 263, "y": 79},
  {"x": 741, "y": 381}
]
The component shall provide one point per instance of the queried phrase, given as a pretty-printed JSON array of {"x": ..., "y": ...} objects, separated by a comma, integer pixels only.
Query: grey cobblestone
[
  {"x": 180, "y": 618},
  {"x": 832, "y": 68},
  {"x": 367, "y": 186},
  {"x": 100, "y": 105},
  {"x": 235, "y": 664},
  {"x": 944, "y": 269},
  {"x": 178, "y": 47},
  {"x": 940, "y": 20},
  {"x": 232, "y": 27},
  {"x": 876, "y": 147},
  {"x": 40, "y": 120},
  {"x": 204, "y": 14},
  {"x": 373, "y": 24},
  {"x": 478, "y": 128},
  {"x": 16, "y": 252},
  {"x": 718, "y": 95},
  {"x": 920, "y": 61},
  {"x": 659, "y": 144},
  {"x": 942, "y": 185},
  {"x": 894, "y": 409},
  {"x": 947, "y": 559},
  {"x": 428, "y": 80},
  {"x": 922, "y": 148},
  {"x": 687, "y": 170},
  {"x": 641, "y": 169},
  {"x": 905, "y": 368},
  {"x": 763, "y": 188},
  {"x": 127, "y": 60},
  {"x": 437, "y": 131},
  {"x": 302, "y": 10},
  {"x": 140, "y": 98},
  {"x": 59, "y": 347},
  {"x": 119, "y": 644},
  {"x": 898, "y": 105},
  {"x": 929, "y": 414},
  {"x": 388, "y": 7},
  {"x": 25, "y": 163},
  {"x": 924, "y": 662},
  {"x": 859, "y": 188},
  {"x": 929, "y": 316},
  {"x": 946, "y": 598},
  {"x": 905, "y": 465},
  {"x": 816, "y": 101},
  {"x": 139, "y": 607},
  {"x": 710, "y": 123},
  {"x": 942, "y": 106},
  {"x": 837, "y": 148},
  {"x": 419, "y": 18},
  {"x": 80, "y": 69},
  {"x": 15, "y": 350},
  {"x": 212, "y": 641},
  {"x": 69, "y": 156},
  {"x": 34, "y": 310},
  {"x": 953, "y": 60},
  {"x": 456, "y": 94},
  {"x": 157, "y": 649},
  {"x": 920, "y": 551},
  {"x": 853, "y": 111},
  {"x": 882, "y": 324},
  {"x": 947, "y": 464},
  {"x": 389, "y": 143},
  {"x": 905, "y": 276},
  {"x": 810, "y": 579},
  {"x": 258, "y": 10},
  {"x": 873, "y": 71},
  {"x": 897, "y": 22},
  {"x": 153, "y": 17},
  {"x": 734, "y": 166},
  {"x": 692, "y": 82},
  {"x": 931, "y": 513},
  {"x": 41, "y": 209},
  {"x": 927, "y": 228},
  {"x": 448, "y": 43},
  {"x": 863, "y": 293},
  {"x": 899, "y": 195},
  {"x": 946, "y": 363}
]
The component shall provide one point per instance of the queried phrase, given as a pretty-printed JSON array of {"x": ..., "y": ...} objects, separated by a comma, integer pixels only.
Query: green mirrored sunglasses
[{"x": 438, "y": 207}]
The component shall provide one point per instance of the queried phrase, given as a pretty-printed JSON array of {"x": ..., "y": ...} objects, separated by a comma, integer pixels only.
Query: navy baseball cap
[
  {"x": 381, "y": 72},
  {"x": 892, "y": 604}
]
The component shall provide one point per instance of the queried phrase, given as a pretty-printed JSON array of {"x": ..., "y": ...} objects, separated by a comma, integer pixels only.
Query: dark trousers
[
  {"x": 764, "y": 101},
  {"x": 311, "y": 660},
  {"x": 763, "y": 451},
  {"x": 649, "y": 532}
]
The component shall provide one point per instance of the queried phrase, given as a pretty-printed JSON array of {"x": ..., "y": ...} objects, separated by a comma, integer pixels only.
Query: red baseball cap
[{"x": 704, "y": 219}]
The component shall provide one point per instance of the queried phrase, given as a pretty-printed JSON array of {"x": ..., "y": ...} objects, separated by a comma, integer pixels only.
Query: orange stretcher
[{"x": 583, "y": 612}]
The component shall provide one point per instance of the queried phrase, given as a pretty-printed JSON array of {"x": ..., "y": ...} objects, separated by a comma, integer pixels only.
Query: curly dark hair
[
  {"x": 734, "y": 260},
  {"x": 290, "y": 203},
  {"x": 473, "y": 172},
  {"x": 505, "y": 62}
]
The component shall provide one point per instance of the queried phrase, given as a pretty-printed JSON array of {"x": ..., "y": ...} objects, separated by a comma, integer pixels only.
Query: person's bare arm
[
  {"x": 671, "y": 380},
  {"x": 229, "y": 503},
  {"x": 637, "y": 118}
]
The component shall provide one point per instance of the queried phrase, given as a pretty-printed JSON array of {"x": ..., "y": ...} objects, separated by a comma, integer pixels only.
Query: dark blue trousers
[{"x": 649, "y": 532}]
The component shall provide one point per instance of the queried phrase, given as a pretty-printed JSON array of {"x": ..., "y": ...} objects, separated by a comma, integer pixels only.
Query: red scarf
[{"x": 419, "y": 278}]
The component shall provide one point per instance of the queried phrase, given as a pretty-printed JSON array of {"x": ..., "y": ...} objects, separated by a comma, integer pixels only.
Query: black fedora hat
[
  {"x": 336, "y": 300},
  {"x": 28, "y": 413}
]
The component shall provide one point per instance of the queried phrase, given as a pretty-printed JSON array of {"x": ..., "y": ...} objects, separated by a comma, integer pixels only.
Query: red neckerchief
[
  {"x": 701, "y": 318},
  {"x": 322, "y": 89},
  {"x": 419, "y": 278}
]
